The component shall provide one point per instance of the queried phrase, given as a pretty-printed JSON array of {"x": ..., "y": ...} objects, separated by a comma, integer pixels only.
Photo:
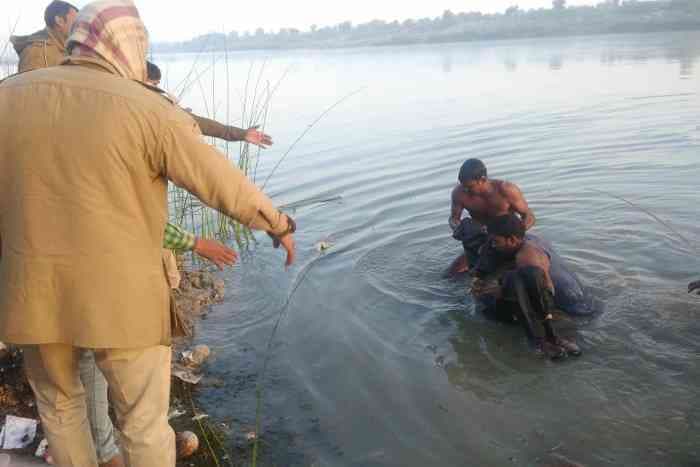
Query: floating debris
[
  {"x": 196, "y": 357},
  {"x": 188, "y": 375},
  {"x": 42, "y": 452},
  {"x": 323, "y": 246},
  {"x": 251, "y": 436},
  {"x": 18, "y": 432},
  {"x": 175, "y": 413},
  {"x": 200, "y": 416}
]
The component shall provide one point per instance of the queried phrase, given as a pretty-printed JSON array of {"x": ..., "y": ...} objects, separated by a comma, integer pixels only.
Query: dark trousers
[{"x": 530, "y": 300}]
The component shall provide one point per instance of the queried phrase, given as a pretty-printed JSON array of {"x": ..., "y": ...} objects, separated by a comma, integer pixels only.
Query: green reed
[
  {"x": 207, "y": 79},
  {"x": 5, "y": 48}
]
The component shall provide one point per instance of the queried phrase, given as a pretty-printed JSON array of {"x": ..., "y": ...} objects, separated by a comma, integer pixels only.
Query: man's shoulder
[
  {"x": 101, "y": 86},
  {"x": 112, "y": 85},
  {"x": 507, "y": 188},
  {"x": 531, "y": 248},
  {"x": 460, "y": 196},
  {"x": 503, "y": 184},
  {"x": 21, "y": 42}
]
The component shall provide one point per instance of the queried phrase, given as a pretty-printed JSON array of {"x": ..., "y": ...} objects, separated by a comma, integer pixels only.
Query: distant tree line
[{"x": 611, "y": 16}]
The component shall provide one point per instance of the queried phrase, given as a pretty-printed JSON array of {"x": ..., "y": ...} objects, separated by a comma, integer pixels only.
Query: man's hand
[
  {"x": 286, "y": 240},
  {"x": 217, "y": 253},
  {"x": 694, "y": 287},
  {"x": 258, "y": 138},
  {"x": 288, "y": 244}
]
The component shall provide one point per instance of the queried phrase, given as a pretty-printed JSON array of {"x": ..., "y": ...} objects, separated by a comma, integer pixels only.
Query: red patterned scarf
[{"x": 113, "y": 31}]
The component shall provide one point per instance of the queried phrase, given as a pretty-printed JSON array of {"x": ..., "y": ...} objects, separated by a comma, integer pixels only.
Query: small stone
[
  {"x": 186, "y": 444},
  {"x": 196, "y": 357}
]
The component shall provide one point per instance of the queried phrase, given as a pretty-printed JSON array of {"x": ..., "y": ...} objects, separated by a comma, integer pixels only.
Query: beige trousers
[{"x": 139, "y": 385}]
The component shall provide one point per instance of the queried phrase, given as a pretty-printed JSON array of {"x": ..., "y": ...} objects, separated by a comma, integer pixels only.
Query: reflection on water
[
  {"x": 381, "y": 361},
  {"x": 679, "y": 48}
]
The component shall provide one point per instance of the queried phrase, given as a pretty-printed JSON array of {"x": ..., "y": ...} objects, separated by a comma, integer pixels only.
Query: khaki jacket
[
  {"x": 39, "y": 50},
  {"x": 84, "y": 164}
]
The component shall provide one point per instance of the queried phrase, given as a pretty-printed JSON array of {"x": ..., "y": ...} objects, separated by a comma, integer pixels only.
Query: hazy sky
[{"x": 166, "y": 21}]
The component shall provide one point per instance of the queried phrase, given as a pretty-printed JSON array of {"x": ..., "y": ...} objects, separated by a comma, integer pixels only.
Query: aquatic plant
[
  {"x": 185, "y": 209},
  {"x": 6, "y": 70}
]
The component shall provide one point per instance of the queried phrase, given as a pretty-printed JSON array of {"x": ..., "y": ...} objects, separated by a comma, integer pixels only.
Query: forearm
[
  {"x": 215, "y": 129},
  {"x": 455, "y": 214},
  {"x": 178, "y": 239},
  {"x": 200, "y": 169}
]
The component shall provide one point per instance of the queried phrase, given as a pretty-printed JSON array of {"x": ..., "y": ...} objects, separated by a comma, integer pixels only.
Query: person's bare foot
[
  {"x": 116, "y": 461},
  {"x": 569, "y": 345}
]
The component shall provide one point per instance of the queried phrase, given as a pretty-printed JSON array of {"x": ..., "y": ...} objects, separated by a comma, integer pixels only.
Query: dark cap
[{"x": 472, "y": 169}]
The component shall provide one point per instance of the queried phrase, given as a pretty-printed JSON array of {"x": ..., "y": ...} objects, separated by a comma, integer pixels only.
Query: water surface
[{"x": 380, "y": 361}]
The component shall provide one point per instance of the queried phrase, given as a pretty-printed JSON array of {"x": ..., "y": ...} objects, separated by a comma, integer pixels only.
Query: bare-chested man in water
[{"x": 484, "y": 199}]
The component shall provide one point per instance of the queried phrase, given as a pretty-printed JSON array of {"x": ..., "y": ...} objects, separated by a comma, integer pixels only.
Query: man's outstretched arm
[
  {"x": 215, "y": 129},
  {"x": 181, "y": 156},
  {"x": 519, "y": 204}
]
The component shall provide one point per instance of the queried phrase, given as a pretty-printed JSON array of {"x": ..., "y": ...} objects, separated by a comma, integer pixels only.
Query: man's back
[{"x": 82, "y": 209}]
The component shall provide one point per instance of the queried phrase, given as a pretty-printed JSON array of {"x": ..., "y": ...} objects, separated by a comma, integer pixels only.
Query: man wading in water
[
  {"x": 484, "y": 199},
  {"x": 525, "y": 294}
]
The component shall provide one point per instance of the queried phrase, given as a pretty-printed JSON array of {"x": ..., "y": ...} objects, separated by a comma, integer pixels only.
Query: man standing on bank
[
  {"x": 83, "y": 206},
  {"x": 47, "y": 47}
]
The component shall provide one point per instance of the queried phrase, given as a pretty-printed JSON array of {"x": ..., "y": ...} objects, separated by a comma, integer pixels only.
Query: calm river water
[{"x": 379, "y": 361}]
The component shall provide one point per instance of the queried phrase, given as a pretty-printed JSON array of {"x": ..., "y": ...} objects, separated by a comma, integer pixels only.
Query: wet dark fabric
[
  {"x": 490, "y": 261},
  {"x": 483, "y": 258},
  {"x": 526, "y": 299},
  {"x": 473, "y": 236},
  {"x": 527, "y": 286}
]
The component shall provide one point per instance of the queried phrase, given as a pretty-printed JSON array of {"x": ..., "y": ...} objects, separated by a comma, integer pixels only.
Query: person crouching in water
[{"x": 526, "y": 293}]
